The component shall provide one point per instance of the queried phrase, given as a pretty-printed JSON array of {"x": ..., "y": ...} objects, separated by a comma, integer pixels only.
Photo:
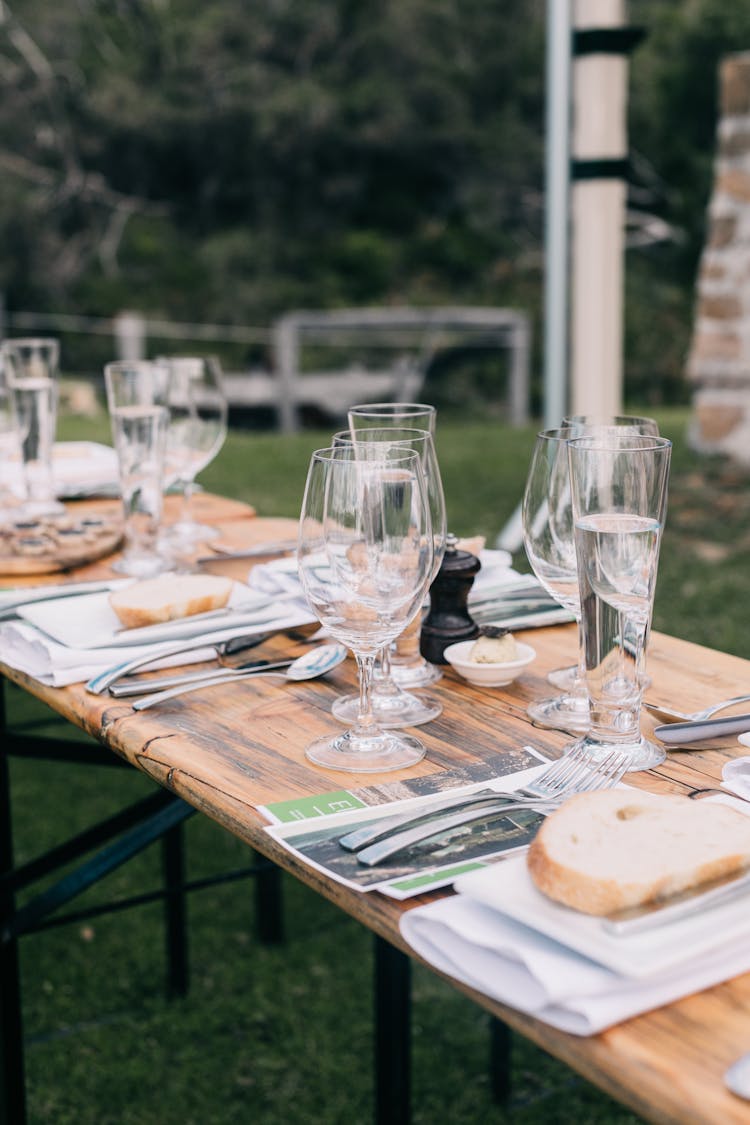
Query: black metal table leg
[
  {"x": 175, "y": 903},
  {"x": 501, "y": 1042},
  {"x": 268, "y": 904},
  {"x": 12, "y": 1091},
  {"x": 392, "y": 1035}
]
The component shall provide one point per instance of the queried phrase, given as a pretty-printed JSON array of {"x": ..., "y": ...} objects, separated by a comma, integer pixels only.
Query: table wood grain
[{"x": 229, "y": 749}]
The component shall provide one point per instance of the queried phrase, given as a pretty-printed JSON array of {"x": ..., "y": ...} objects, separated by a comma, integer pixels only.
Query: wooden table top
[{"x": 238, "y": 746}]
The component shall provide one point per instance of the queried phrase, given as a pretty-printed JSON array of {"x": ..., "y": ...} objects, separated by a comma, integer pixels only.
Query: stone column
[{"x": 719, "y": 359}]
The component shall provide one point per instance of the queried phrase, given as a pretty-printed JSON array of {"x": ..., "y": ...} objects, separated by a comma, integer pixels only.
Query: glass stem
[
  {"x": 365, "y": 718},
  {"x": 187, "y": 496}
]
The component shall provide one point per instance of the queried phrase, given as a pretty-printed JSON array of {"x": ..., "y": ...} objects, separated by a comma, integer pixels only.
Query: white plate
[
  {"x": 90, "y": 622},
  {"x": 507, "y": 888}
]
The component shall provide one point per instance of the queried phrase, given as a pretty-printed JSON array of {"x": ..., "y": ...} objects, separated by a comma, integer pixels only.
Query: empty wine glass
[
  {"x": 31, "y": 369},
  {"x": 564, "y": 679},
  {"x": 197, "y": 430},
  {"x": 403, "y": 664},
  {"x": 392, "y": 706},
  {"x": 547, "y": 519},
  {"x": 619, "y": 498},
  {"x": 365, "y": 557}
]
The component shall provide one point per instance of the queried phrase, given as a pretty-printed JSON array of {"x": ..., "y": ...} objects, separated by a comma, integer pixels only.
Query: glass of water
[
  {"x": 31, "y": 370},
  {"x": 618, "y": 486},
  {"x": 137, "y": 394}
]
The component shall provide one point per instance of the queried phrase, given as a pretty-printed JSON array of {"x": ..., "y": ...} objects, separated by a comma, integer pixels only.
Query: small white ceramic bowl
[{"x": 488, "y": 675}]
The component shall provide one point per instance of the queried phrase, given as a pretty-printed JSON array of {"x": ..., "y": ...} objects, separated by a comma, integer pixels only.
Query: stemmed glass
[
  {"x": 392, "y": 706},
  {"x": 31, "y": 369},
  {"x": 365, "y": 557},
  {"x": 547, "y": 519},
  {"x": 137, "y": 395},
  {"x": 197, "y": 430},
  {"x": 619, "y": 496},
  {"x": 566, "y": 679},
  {"x": 404, "y": 666}
]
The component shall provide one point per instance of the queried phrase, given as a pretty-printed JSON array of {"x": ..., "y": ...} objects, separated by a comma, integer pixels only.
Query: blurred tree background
[{"x": 229, "y": 161}]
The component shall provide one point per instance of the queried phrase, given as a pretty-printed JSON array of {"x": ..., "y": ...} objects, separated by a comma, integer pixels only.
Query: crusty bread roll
[
  {"x": 604, "y": 852},
  {"x": 168, "y": 597}
]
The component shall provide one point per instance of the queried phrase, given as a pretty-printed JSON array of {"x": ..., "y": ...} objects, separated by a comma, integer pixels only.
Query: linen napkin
[
  {"x": 518, "y": 966},
  {"x": 28, "y": 650},
  {"x": 735, "y": 776}
]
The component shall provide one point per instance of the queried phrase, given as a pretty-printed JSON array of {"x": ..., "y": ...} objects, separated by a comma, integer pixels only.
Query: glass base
[
  {"x": 188, "y": 533},
  {"x": 643, "y": 755},
  {"x": 140, "y": 564},
  {"x": 562, "y": 678},
  {"x": 419, "y": 674},
  {"x": 562, "y": 712},
  {"x": 377, "y": 753},
  {"x": 391, "y": 711}
]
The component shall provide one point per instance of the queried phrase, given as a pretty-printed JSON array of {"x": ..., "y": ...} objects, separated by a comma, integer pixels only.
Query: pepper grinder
[{"x": 449, "y": 619}]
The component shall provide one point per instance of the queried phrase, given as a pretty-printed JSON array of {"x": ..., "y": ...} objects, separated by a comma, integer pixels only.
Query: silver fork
[{"x": 575, "y": 773}]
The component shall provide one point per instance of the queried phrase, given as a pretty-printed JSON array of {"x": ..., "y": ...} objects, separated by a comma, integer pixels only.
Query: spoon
[
  {"x": 692, "y": 716},
  {"x": 306, "y": 667},
  {"x": 223, "y": 646},
  {"x": 737, "y": 1077}
]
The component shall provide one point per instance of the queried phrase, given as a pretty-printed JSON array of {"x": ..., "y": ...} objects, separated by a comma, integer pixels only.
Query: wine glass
[
  {"x": 365, "y": 557},
  {"x": 547, "y": 520},
  {"x": 31, "y": 369},
  {"x": 565, "y": 678},
  {"x": 137, "y": 393},
  {"x": 197, "y": 430},
  {"x": 404, "y": 666},
  {"x": 392, "y": 706},
  {"x": 619, "y": 498}
]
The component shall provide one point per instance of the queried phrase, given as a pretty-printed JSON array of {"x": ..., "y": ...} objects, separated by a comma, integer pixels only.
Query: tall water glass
[
  {"x": 197, "y": 430},
  {"x": 31, "y": 370},
  {"x": 619, "y": 496},
  {"x": 365, "y": 558},
  {"x": 137, "y": 394},
  {"x": 566, "y": 679},
  {"x": 403, "y": 666},
  {"x": 392, "y": 706},
  {"x": 12, "y": 488}
]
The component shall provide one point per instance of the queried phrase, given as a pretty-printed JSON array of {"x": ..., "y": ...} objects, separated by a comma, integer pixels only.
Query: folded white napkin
[
  {"x": 517, "y": 966},
  {"x": 28, "y": 650},
  {"x": 735, "y": 776}
]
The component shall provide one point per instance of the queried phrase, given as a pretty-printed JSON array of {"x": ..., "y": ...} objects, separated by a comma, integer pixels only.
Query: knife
[
  {"x": 653, "y": 914},
  {"x": 54, "y": 593},
  {"x": 698, "y": 729}
]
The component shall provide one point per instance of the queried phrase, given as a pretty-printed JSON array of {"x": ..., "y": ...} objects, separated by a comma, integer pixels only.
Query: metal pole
[{"x": 556, "y": 236}]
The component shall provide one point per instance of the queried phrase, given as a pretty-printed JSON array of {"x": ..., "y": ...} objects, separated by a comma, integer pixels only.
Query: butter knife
[
  {"x": 647, "y": 917},
  {"x": 673, "y": 734}
]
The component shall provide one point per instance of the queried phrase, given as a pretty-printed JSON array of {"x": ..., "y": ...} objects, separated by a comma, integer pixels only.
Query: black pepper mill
[{"x": 449, "y": 619}]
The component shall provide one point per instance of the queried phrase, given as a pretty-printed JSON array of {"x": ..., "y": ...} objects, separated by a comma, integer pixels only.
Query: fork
[
  {"x": 575, "y": 773},
  {"x": 693, "y": 716}
]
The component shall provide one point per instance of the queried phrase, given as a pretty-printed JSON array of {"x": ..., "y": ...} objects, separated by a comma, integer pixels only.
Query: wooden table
[{"x": 232, "y": 748}]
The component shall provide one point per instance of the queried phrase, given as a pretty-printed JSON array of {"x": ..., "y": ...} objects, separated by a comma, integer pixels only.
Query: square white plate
[
  {"x": 89, "y": 621},
  {"x": 507, "y": 887}
]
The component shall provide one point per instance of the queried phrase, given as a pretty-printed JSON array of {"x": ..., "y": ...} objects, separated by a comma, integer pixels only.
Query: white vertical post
[
  {"x": 556, "y": 235},
  {"x": 598, "y": 213},
  {"x": 130, "y": 336}
]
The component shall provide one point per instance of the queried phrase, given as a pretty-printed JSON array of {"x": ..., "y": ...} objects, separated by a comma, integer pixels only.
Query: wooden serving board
[{"x": 57, "y": 543}]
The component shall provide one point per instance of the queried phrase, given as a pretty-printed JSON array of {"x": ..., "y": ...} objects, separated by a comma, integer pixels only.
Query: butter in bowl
[{"x": 494, "y": 659}]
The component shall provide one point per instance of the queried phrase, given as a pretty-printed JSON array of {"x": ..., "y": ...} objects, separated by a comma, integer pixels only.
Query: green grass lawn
[{"x": 274, "y": 1035}]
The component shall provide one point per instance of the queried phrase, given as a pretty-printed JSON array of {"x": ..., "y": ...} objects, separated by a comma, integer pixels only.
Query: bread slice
[
  {"x": 604, "y": 852},
  {"x": 168, "y": 597}
]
